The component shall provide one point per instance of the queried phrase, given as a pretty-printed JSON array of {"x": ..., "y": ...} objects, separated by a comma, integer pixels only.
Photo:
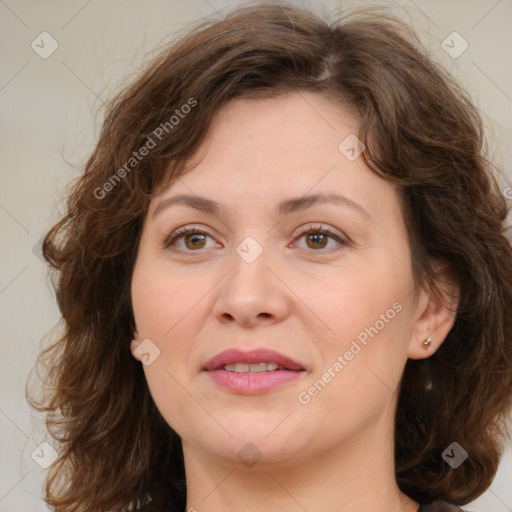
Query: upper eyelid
[{"x": 303, "y": 230}]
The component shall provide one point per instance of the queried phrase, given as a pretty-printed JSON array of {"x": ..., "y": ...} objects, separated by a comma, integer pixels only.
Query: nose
[{"x": 251, "y": 294}]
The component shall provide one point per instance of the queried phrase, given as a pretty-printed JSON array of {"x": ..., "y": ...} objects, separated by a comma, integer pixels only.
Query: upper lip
[{"x": 233, "y": 356}]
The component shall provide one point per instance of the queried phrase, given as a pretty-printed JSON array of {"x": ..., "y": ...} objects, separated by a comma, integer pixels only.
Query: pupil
[
  {"x": 193, "y": 239},
  {"x": 318, "y": 238}
]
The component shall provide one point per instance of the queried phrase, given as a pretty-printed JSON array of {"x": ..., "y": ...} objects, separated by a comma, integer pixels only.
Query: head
[{"x": 258, "y": 113}]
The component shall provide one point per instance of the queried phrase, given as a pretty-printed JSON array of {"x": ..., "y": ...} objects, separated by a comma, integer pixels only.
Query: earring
[{"x": 426, "y": 343}]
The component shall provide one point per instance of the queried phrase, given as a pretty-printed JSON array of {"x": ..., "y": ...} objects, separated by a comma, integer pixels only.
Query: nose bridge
[
  {"x": 250, "y": 292},
  {"x": 250, "y": 261}
]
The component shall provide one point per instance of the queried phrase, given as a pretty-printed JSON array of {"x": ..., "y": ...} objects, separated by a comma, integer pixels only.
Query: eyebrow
[{"x": 284, "y": 207}]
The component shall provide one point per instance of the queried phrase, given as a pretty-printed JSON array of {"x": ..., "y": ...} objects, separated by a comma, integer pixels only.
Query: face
[{"x": 279, "y": 321}]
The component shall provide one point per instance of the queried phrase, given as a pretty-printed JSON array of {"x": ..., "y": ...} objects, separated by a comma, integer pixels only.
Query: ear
[
  {"x": 436, "y": 313},
  {"x": 134, "y": 344}
]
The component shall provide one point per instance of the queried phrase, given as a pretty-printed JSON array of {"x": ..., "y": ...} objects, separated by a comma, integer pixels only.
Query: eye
[
  {"x": 193, "y": 239},
  {"x": 317, "y": 238}
]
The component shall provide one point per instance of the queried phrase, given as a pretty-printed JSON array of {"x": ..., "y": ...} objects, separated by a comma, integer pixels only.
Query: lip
[
  {"x": 253, "y": 356},
  {"x": 252, "y": 383}
]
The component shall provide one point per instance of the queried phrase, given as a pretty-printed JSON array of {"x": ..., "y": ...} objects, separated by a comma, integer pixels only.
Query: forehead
[
  {"x": 291, "y": 120},
  {"x": 270, "y": 140}
]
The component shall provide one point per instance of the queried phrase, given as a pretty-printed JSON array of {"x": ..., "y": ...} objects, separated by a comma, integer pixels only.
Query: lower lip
[{"x": 252, "y": 383}]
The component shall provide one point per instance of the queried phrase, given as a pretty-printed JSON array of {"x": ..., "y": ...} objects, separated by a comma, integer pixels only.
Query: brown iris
[
  {"x": 319, "y": 240},
  {"x": 197, "y": 241}
]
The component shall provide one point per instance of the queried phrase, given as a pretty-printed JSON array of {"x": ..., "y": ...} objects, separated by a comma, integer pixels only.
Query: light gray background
[{"x": 51, "y": 115}]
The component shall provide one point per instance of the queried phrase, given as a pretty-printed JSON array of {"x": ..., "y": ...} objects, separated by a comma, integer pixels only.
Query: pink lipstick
[{"x": 252, "y": 372}]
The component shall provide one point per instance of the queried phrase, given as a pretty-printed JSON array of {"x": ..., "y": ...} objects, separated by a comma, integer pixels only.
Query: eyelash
[{"x": 311, "y": 229}]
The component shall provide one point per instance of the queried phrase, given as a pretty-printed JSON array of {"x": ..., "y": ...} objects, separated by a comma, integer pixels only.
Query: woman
[{"x": 283, "y": 280}]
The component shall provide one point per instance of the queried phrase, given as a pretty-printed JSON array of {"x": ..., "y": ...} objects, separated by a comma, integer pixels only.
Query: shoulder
[{"x": 439, "y": 506}]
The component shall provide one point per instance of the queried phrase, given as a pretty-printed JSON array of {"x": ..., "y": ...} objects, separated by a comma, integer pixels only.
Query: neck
[{"x": 358, "y": 475}]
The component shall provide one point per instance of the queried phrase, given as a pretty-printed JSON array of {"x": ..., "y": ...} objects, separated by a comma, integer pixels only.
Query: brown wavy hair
[{"x": 421, "y": 132}]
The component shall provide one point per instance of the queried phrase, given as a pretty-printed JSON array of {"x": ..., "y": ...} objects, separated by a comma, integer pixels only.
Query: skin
[{"x": 305, "y": 297}]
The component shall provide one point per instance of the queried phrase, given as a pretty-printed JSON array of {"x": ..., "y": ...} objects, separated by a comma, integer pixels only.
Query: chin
[
  {"x": 255, "y": 440},
  {"x": 260, "y": 454}
]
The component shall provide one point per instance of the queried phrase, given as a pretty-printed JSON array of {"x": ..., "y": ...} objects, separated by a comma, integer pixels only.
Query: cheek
[
  {"x": 367, "y": 311},
  {"x": 167, "y": 311},
  {"x": 362, "y": 299},
  {"x": 164, "y": 300},
  {"x": 161, "y": 316},
  {"x": 358, "y": 378},
  {"x": 169, "y": 319}
]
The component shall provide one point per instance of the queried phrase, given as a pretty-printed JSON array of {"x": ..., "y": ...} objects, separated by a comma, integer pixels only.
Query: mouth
[
  {"x": 253, "y": 372},
  {"x": 253, "y": 367},
  {"x": 254, "y": 361}
]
